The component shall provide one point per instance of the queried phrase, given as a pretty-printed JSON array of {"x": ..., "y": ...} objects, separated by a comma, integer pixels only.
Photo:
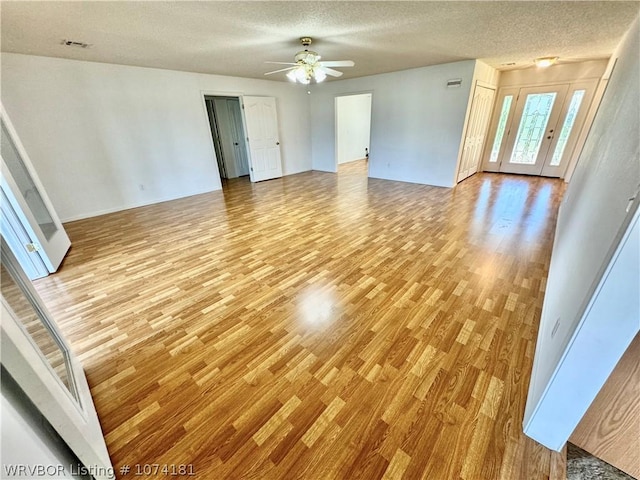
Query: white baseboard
[{"x": 129, "y": 206}]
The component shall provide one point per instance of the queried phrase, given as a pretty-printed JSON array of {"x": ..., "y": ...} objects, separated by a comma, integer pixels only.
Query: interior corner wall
[
  {"x": 486, "y": 74},
  {"x": 593, "y": 218},
  {"x": 416, "y": 122},
  {"x": 106, "y": 137}
]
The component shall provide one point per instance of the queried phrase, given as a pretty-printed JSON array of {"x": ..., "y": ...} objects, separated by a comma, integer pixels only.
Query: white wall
[
  {"x": 591, "y": 222},
  {"x": 353, "y": 126},
  {"x": 97, "y": 132},
  {"x": 416, "y": 122}
]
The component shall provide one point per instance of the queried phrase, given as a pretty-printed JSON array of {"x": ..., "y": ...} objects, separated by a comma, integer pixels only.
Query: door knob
[
  {"x": 235, "y": 143},
  {"x": 277, "y": 143}
]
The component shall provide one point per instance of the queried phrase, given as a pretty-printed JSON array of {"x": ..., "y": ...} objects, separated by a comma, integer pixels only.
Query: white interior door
[
  {"x": 237, "y": 134},
  {"x": 533, "y": 130},
  {"x": 476, "y": 132},
  {"x": 223, "y": 126},
  {"x": 261, "y": 120},
  {"x": 17, "y": 237},
  {"x": 38, "y": 358},
  {"x": 24, "y": 191}
]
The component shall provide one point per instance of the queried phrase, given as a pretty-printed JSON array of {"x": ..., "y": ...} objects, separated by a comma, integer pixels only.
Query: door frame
[
  {"x": 335, "y": 122},
  {"x": 239, "y": 96},
  {"x": 214, "y": 132}
]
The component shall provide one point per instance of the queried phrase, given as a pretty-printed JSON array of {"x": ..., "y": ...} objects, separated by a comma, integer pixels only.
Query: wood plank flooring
[{"x": 318, "y": 326}]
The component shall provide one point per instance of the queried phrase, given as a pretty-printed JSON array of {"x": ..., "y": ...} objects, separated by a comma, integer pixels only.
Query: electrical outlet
[{"x": 555, "y": 328}]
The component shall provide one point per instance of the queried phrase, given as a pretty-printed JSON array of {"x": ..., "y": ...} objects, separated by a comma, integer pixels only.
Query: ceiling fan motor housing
[{"x": 307, "y": 57}]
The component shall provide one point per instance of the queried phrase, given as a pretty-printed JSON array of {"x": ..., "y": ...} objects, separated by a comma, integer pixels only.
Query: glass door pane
[
  {"x": 567, "y": 127},
  {"x": 24, "y": 310},
  {"x": 27, "y": 187},
  {"x": 502, "y": 124},
  {"x": 533, "y": 125}
]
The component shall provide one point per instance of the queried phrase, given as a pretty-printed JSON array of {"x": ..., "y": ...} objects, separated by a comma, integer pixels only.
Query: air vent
[
  {"x": 454, "y": 83},
  {"x": 73, "y": 43}
]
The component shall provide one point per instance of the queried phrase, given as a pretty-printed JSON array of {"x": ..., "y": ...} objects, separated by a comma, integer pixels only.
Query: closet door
[
  {"x": 28, "y": 199},
  {"x": 476, "y": 132}
]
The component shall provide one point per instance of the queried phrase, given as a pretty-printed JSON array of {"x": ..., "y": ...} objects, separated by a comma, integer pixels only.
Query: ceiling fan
[{"x": 308, "y": 66}]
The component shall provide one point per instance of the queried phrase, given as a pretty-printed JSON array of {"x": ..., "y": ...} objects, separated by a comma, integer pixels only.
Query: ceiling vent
[{"x": 73, "y": 43}]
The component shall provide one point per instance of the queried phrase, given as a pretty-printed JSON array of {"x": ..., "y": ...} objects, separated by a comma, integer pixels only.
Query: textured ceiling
[{"x": 236, "y": 38}]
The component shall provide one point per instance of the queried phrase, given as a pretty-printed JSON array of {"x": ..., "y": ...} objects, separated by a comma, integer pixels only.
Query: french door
[
  {"x": 36, "y": 355},
  {"x": 535, "y": 129},
  {"x": 28, "y": 200}
]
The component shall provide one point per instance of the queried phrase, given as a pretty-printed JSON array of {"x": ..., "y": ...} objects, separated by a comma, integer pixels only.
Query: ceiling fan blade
[
  {"x": 281, "y": 70},
  {"x": 282, "y": 63},
  {"x": 331, "y": 71},
  {"x": 337, "y": 63}
]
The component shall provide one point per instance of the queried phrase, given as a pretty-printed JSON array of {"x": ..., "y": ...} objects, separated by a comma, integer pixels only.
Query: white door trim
[{"x": 75, "y": 420}]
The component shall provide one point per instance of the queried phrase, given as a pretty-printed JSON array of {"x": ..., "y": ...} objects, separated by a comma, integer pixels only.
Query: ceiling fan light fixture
[
  {"x": 319, "y": 75},
  {"x": 544, "y": 62},
  {"x": 291, "y": 75},
  {"x": 302, "y": 75},
  {"x": 307, "y": 66}
]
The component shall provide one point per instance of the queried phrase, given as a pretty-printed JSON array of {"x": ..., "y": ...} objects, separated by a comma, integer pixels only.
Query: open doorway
[
  {"x": 353, "y": 131},
  {"x": 227, "y": 131}
]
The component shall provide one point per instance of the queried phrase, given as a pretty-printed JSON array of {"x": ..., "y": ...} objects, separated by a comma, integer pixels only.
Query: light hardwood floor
[{"x": 317, "y": 326}]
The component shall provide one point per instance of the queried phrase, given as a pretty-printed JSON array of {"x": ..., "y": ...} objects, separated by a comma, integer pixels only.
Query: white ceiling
[{"x": 237, "y": 37}]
